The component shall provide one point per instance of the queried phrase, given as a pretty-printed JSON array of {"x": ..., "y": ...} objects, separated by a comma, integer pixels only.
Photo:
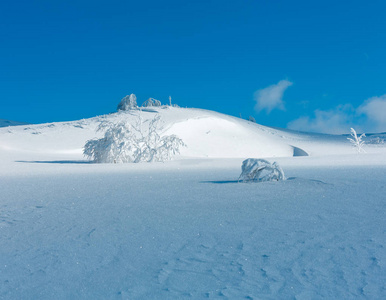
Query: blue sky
[{"x": 308, "y": 65}]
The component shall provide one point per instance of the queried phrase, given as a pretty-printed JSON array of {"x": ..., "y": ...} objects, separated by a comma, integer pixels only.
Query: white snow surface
[
  {"x": 186, "y": 229},
  {"x": 207, "y": 134}
]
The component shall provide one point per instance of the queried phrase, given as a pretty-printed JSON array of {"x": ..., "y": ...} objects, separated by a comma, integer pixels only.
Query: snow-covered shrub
[
  {"x": 356, "y": 141},
  {"x": 377, "y": 141},
  {"x": 254, "y": 169},
  {"x": 252, "y": 119},
  {"x": 151, "y": 102},
  {"x": 114, "y": 147},
  {"x": 128, "y": 103},
  {"x": 126, "y": 143}
]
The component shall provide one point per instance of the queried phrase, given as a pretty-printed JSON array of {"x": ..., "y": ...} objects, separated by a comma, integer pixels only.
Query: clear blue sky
[{"x": 66, "y": 60}]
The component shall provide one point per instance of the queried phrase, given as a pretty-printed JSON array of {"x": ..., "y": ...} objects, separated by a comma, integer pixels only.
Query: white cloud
[
  {"x": 333, "y": 121},
  {"x": 375, "y": 110},
  {"x": 271, "y": 97},
  {"x": 370, "y": 116}
]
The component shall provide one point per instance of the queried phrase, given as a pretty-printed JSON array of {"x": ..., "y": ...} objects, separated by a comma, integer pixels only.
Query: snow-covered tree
[
  {"x": 254, "y": 169},
  {"x": 125, "y": 143},
  {"x": 356, "y": 141},
  {"x": 128, "y": 102},
  {"x": 114, "y": 147},
  {"x": 151, "y": 102}
]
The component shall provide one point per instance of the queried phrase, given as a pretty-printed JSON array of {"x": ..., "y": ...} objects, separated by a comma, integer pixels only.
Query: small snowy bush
[
  {"x": 151, "y": 102},
  {"x": 127, "y": 143},
  {"x": 252, "y": 119},
  {"x": 128, "y": 103},
  {"x": 254, "y": 169},
  {"x": 377, "y": 141},
  {"x": 356, "y": 141}
]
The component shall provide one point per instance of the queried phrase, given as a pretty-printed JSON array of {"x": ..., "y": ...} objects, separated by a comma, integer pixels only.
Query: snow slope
[
  {"x": 6, "y": 123},
  {"x": 186, "y": 229},
  {"x": 207, "y": 134}
]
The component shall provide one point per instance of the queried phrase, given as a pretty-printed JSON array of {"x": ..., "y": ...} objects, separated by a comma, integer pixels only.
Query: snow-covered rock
[{"x": 128, "y": 102}]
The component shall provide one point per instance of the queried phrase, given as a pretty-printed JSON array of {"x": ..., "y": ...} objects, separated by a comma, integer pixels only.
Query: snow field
[{"x": 188, "y": 231}]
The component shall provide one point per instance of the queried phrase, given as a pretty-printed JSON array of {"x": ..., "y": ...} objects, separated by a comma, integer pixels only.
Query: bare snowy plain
[{"x": 186, "y": 229}]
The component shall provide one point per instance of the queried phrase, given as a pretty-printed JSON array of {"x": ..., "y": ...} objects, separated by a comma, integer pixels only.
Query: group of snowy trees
[
  {"x": 125, "y": 142},
  {"x": 129, "y": 102}
]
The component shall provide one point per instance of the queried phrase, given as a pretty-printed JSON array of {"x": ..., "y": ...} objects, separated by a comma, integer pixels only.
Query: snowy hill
[
  {"x": 6, "y": 123},
  {"x": 207, "y": 134}
]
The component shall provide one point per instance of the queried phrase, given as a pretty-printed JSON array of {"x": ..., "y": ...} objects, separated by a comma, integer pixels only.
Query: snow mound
[{"x": 221, "y": 138}]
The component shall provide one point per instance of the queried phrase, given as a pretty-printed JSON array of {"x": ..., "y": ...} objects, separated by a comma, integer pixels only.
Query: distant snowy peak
[{"x": 6, "y": 123}]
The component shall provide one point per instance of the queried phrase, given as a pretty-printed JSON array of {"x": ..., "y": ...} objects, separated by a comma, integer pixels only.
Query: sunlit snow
[{"x": 187, "y": 229}]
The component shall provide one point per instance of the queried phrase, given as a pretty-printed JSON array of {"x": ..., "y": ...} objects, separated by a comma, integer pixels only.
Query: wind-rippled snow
[{"x": 186, "y": 229}]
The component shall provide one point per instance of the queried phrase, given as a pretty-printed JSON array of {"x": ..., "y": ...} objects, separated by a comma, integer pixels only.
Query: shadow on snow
[
  {"x": 220, "y": 181},
  {"x": 55, "y": 161}
]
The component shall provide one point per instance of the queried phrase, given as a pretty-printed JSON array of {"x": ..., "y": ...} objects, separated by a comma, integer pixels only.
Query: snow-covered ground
[
  {"x": 186, "y": 229},
  {"x": 207, "y": 134}
]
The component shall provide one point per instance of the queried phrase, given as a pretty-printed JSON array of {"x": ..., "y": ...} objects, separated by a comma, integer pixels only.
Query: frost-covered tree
[
  {"x": 128, "y": 102},
  {"x": 125, "y": 143},
  {"x": 356, "y": 141},
  {"x": 114, "y": 147},
  {"x": 254, "y": 169},
  {"x": 151, "y": 102}
]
